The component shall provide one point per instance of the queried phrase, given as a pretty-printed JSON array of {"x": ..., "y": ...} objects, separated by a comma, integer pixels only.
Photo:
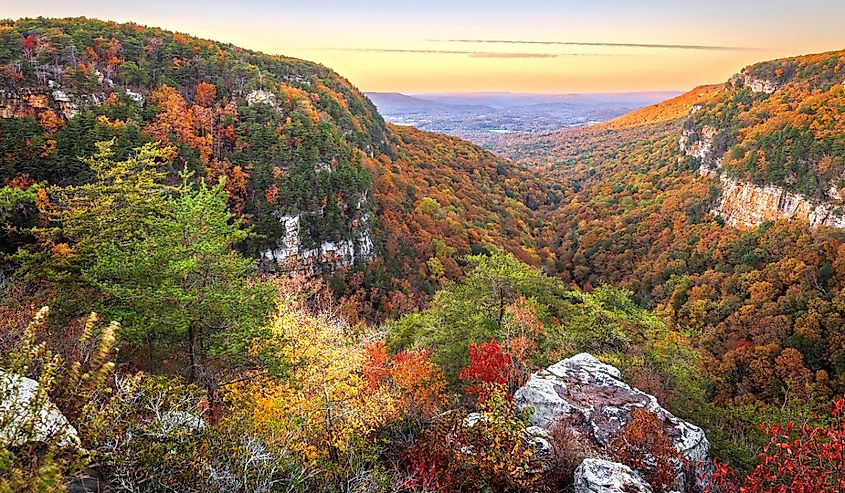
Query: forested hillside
[
  {"x": 762, "y": 303},
  {"x": 780, "y": 124},
  {"x": 298, "y": 146},
  {"x": 222, "y": 271}
]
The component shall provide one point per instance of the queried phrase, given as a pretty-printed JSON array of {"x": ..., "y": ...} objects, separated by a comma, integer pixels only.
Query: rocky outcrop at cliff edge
[
  {"x": 590, "y": 398},
  {"x": 700, "y": 145},
  {"x": 755, "y": 85},
  {"x": 603, "y": 476},
  {"x": 746, "y": 205}
]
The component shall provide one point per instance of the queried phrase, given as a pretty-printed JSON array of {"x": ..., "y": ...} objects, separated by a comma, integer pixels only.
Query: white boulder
[
  {"x": 590, "y": 398},
  {"x": 602, "y": 476},
  {"x": 27, "y": 417}
]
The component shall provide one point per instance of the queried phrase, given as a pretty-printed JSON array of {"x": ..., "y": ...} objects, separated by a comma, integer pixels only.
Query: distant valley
[{"x": 489, "y": 119}]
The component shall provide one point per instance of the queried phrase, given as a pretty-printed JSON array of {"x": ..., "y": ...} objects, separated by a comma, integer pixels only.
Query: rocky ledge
[
  {"x": 590, "y": 398},
  {"x": 27, "y": 416}
]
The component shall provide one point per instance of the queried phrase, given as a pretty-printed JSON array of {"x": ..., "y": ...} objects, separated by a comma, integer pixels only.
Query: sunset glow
[{"x": 542, "y": 46}]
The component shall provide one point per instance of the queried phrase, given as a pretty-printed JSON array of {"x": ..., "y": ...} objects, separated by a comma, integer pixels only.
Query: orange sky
[{"x": 410, "y": 46}]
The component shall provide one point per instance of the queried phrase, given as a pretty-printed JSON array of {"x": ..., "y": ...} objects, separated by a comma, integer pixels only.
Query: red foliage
[
  {"x": 418, "y": 381},
  {"x": 30, "y": 44},
  {"x": 375, "y": 364},
  {"x": 645, "y": 446},
  {"x": 797, "y": 459},
  {"x": 488, "y": 367}
]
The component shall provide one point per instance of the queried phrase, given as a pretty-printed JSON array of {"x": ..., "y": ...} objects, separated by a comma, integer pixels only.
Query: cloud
[
  {"x": 585, "y": 43},
  {"x": 518, "y": 55},
  {"x": 472, "y": 54}
]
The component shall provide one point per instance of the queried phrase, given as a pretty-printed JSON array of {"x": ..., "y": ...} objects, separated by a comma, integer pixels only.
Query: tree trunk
[{"x": 192, "y": 352}]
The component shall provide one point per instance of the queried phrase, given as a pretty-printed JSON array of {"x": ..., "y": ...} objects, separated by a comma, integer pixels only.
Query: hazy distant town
[{"x": 484, "y": 118}]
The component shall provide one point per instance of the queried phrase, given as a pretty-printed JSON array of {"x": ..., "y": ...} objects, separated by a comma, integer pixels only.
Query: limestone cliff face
[
  {"x": 291, "y": 255},
  {"x": 745, "y": 205},
  {"x": 699, "y": 145}
]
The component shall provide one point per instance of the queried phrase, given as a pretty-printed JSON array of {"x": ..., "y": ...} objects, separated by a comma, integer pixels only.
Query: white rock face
[
  {"x": 135, "y": 96},
  {"x": 339, "y": 254},
  {"x": 259, "y": 96},
  {"x": 602, "y": 476},
  {"x": 19, "y": 404},
  {"x": 745, "y": 205},
  {"x": 702, "y": 149},
  {"x": 69, "y": 107},
  {"x": 592, "y": 399},
  {"x": 289, "y": 243},
  {"x": 754, "y": 85}
]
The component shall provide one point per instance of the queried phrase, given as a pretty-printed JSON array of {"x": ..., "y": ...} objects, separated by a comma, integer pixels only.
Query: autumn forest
[{"x": 222, "y": 271}]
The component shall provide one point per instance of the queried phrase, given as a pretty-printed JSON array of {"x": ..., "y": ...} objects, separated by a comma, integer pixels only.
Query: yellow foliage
[{"x": 323, "y": 406}]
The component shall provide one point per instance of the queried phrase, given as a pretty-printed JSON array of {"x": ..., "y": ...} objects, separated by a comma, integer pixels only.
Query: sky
[{"x": 536, "y": 46}]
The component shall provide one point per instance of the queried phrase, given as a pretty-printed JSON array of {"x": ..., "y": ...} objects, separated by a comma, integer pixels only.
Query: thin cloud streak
[
  {"x": 601, "y": 44},
  {"x": 473, "y": 54}
]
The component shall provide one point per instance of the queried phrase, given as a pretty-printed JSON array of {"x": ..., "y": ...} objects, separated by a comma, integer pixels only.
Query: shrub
[{"x": 798, "y": 458}]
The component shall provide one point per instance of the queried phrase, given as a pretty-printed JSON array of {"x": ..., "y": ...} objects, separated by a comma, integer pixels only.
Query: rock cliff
[
  {"x": 745, "y": 205},
  {"x": 744, "y": 80},
  {"x": 774, "y": 158},
  {"x": 292, "y": 134}
]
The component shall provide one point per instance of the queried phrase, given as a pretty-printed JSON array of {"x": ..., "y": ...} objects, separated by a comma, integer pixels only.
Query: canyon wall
[{"x": 743, "y": 204}]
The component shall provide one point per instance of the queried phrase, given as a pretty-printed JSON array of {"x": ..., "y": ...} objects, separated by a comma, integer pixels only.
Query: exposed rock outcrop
[
  {"x": 602, "y": 476},
  {"x": 746, "y": 81},
  {"x": 53, "y": 96},
  {"x": 27, "y": 417},
  {"x": 701, "y": 148},
  {"x": 290, "y": 254},
  {"x": 260, "y": 96},
  {"x": 745, "y": 205},
  {"x": 590, "y": 397}
]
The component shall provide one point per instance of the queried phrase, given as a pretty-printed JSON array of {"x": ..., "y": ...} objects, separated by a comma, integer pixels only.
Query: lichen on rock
[
  {"x": 590, "y": 397},
  {"x": 603, "y": 476}
]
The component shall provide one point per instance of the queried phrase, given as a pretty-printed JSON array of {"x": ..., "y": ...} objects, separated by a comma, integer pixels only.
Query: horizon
[
  {"x": 543, "y": 47},
  {"x": 518, "y": 93}
]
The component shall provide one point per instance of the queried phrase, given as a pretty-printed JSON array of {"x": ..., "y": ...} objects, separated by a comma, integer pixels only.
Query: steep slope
[
  {"x": 763, "y": 302},
  {"x": 776, "y": 141},
  {"x": 290, "y": 136},
  {"x": 298, "y": 144}
]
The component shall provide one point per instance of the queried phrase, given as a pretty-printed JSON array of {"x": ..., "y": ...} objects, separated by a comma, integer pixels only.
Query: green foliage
[
  {"x": 17, "y": 213},
  {"x": 473, "y": 310},
  {"x": 12, "y": 199},
  {"x": 161, "y": 258},
  {"x": 605, "y": 322}
]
